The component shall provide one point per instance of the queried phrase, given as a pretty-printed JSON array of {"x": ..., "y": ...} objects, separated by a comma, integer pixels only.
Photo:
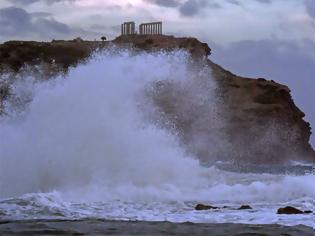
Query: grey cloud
[
  {"x": 28, "y": 2},
  {"x": 310, "y": 7},
  {"x": 264, "y": 1},
  {"x": 190, "y": 8},
  {"x": 235, "y": 2},
  {"x": 288, "y": 62},
  {"x": 16, "y": 22},
  {"x": 241, "y": 3},
  {"x": 41, "y": 14},
  {"x": 193, "y": 7},
  {"x": 24, "y": 2},
  {"x": 53, "y": 26},
  {"x": 165, "y": 3}
]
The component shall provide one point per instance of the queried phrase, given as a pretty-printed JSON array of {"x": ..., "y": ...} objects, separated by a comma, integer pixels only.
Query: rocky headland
[{"x": 262, "y": 125}]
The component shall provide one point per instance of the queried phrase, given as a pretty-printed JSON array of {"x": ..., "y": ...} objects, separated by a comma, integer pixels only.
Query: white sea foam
[
  {"x": 83, "y": 148},
  {"x": 86, "y": 129}
]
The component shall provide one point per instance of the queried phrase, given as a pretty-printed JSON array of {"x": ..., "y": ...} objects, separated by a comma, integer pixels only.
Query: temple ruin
[
  {"x": 153, "y": 28},
  {"x": 128, "y": 28}
]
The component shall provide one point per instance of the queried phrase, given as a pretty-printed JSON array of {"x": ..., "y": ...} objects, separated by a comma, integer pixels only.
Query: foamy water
[{"x": 83, "y": 147}]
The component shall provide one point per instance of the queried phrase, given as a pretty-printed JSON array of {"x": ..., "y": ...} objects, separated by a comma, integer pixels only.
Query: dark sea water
[{"x": 102, "y": 227}]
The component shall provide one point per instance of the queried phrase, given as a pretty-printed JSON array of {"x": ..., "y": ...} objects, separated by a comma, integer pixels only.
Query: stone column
[{"x": 133, "y": 28}]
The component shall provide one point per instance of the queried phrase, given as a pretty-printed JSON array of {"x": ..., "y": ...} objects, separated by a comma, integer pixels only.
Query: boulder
[
  {"x": 202, "y": 207},
  {"x": 245, "y": 207},
  {"x": 289, "y": 210}
]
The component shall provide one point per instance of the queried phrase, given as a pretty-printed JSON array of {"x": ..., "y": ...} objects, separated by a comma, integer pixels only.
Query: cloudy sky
[
  {"x": 274, "y": 39},
  {"x": 222, "y": 21}
]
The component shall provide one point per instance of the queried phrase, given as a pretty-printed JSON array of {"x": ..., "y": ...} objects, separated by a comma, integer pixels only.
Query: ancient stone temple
[
  {"x": 154, "y": 28},
  {"x": 128, "y": 28}
]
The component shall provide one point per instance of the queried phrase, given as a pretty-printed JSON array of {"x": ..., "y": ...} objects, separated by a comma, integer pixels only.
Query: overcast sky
[
  {"x": 257, "y": 38},
  {"x": 216, "y": 20}
]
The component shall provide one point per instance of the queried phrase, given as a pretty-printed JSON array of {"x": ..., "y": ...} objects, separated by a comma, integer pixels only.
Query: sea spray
[
  {"x": 86, "y": 145},
  {"x": 87, "y": 128}
]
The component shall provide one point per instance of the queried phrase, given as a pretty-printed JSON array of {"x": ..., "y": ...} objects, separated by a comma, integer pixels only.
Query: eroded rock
[
  {"x": 245, "y": 207},
  {"x": 289, "y": 210},
  {"x": 202, "y": 207}
]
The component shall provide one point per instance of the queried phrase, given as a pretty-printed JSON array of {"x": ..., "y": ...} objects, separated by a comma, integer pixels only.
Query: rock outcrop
[
  {"x": 289, "y": 210},
  {"x": 202, "y": 207},
  {"x": 15, "y": 54},
  {"x": 245, "y": 207},
  {"x": 261, "y": 123}
]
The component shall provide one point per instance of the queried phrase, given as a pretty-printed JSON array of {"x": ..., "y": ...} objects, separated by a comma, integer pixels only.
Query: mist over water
[{"x": 83, "y": 145}]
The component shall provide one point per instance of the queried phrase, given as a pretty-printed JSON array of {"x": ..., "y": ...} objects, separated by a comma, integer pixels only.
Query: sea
[{"x": 83, "y": 146}]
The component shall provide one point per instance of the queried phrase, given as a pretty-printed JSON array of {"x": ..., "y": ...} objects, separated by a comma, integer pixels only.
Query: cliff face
[
  {"x": 261, "y": 122},
  {"x": 261, "y": 115}
]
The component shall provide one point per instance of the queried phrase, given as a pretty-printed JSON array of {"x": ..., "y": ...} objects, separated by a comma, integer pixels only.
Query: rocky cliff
[{"x": 261, "y": 123}]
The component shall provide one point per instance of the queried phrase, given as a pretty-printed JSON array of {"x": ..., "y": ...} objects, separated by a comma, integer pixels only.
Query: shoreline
[{"x": 100, "y": 226}]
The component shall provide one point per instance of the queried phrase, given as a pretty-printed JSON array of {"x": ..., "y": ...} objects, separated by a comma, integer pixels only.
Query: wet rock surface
[
  {"x": 245, "y": 207},
  {"x": 289, "y": 210},
  {"x": 202, "y": 207}
]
